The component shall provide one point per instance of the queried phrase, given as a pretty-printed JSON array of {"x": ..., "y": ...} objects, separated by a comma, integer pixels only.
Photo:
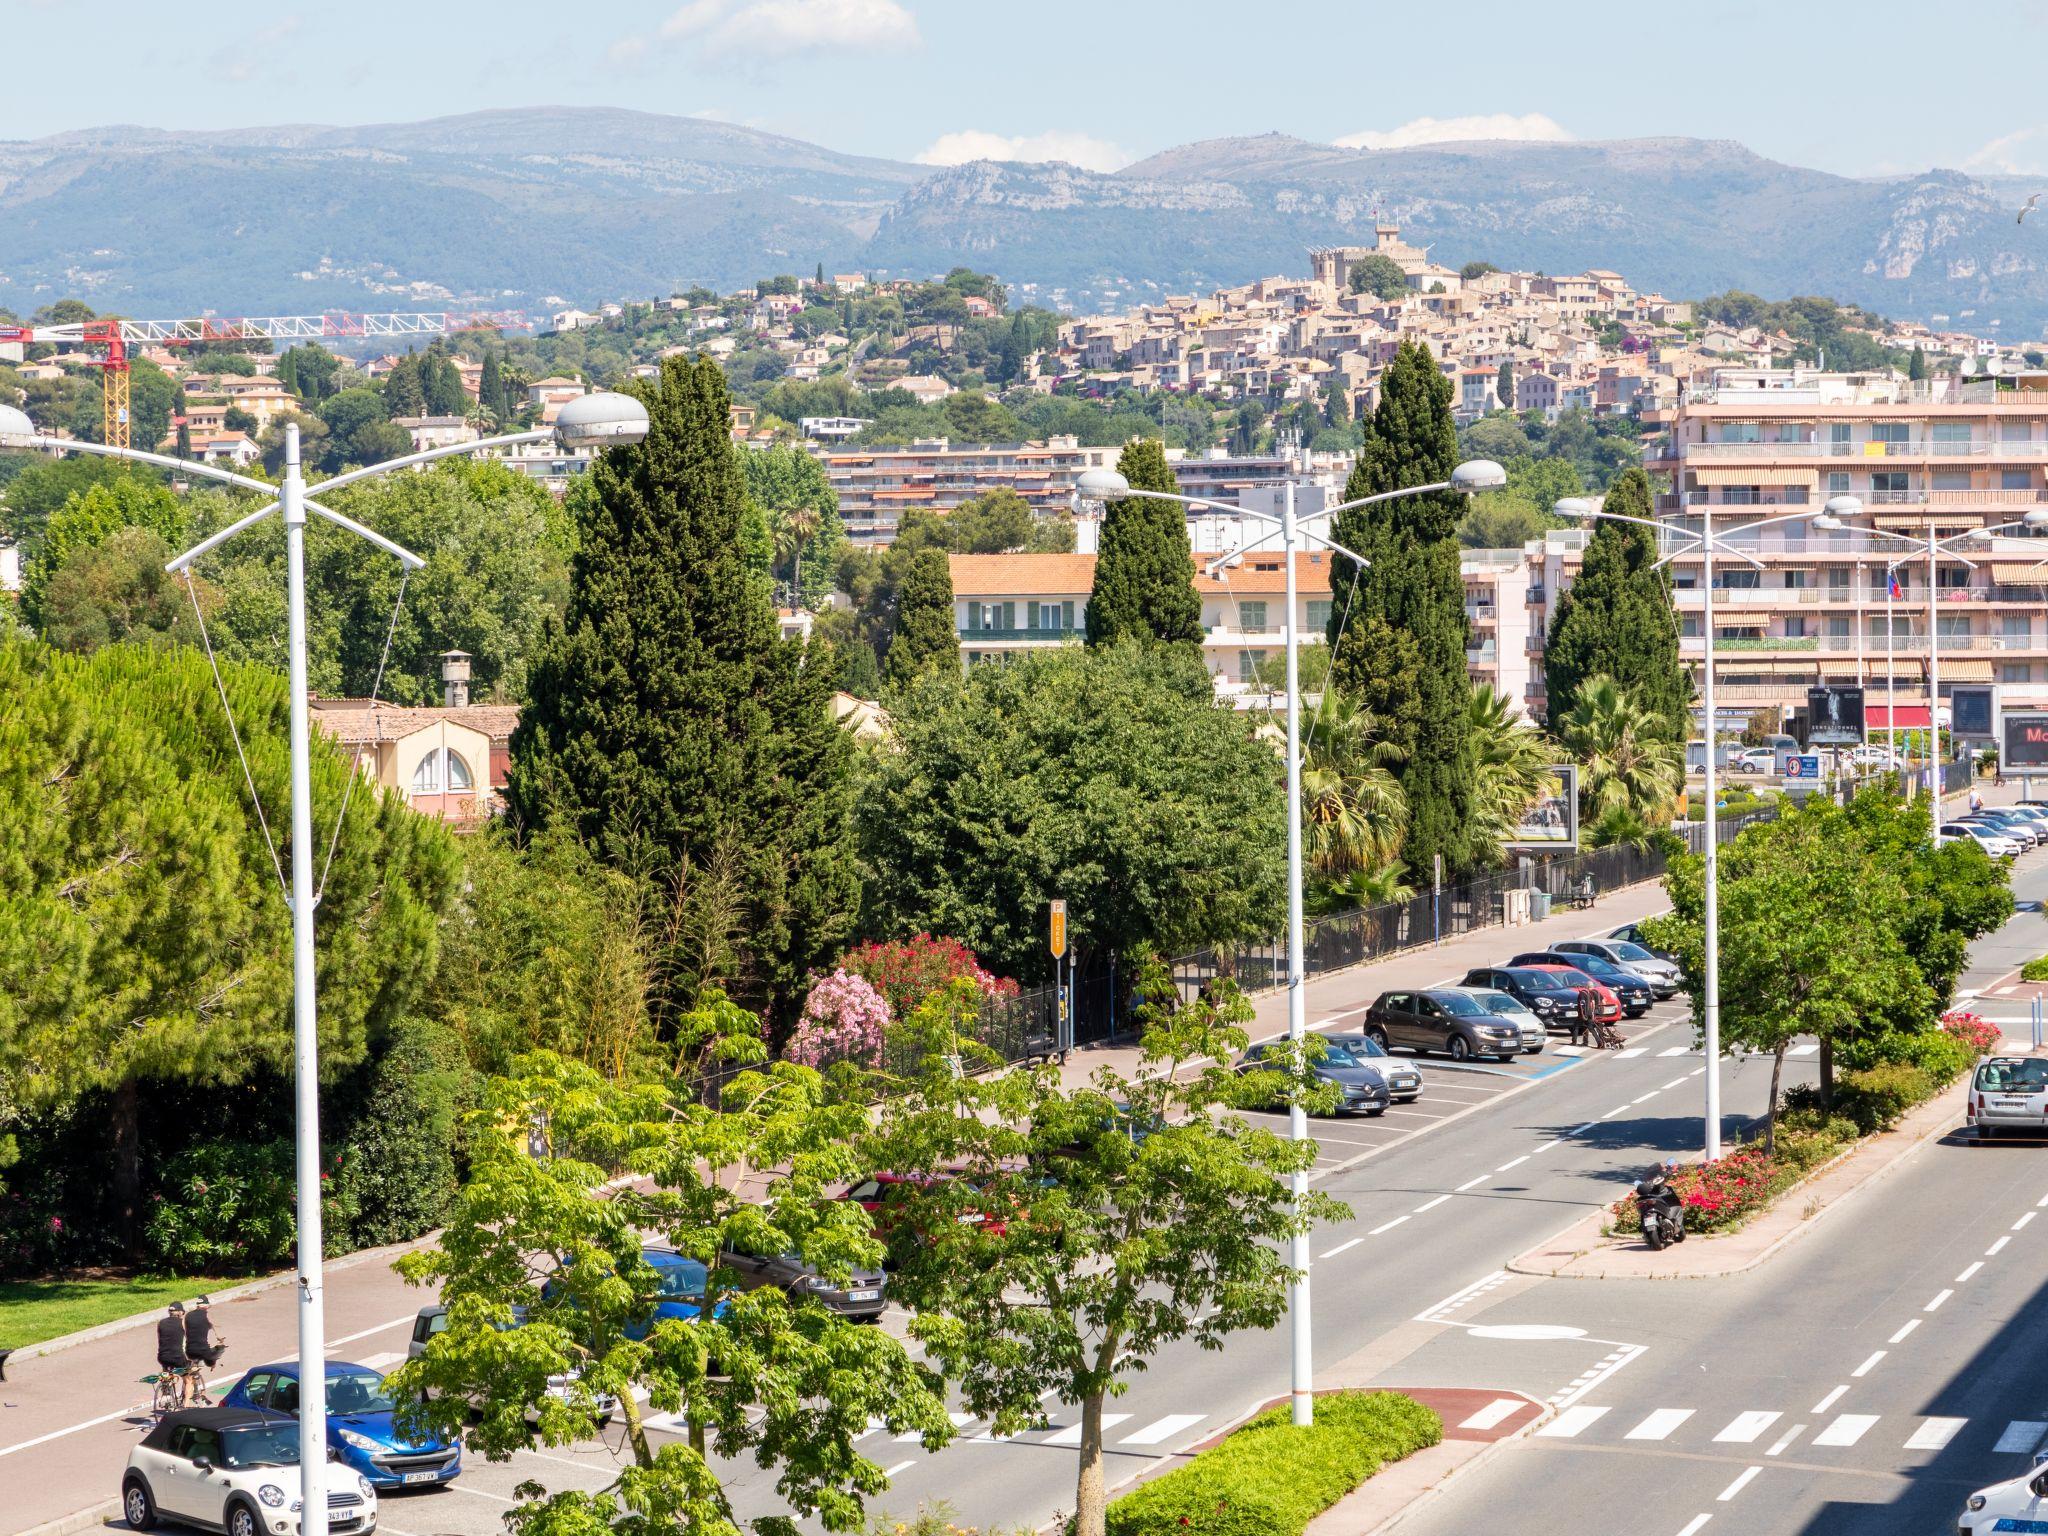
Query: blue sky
[{"x": 1858, "y": 88}]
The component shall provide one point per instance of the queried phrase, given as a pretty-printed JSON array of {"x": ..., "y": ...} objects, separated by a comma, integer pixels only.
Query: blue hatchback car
[{"x": 359, "y": 1427}]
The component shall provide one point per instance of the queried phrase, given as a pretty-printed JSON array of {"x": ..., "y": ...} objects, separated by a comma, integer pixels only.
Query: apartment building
[
  {"x": 1943, "y": 456},
  {"x": 875, "y": 486}
]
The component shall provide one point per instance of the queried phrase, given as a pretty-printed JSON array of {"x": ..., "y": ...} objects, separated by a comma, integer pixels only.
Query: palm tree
[
  {"x": 1510, "y": 765},
  {"x": 1353, "y": 812},
  {"x": 1631, "y": 771},
  {"x": 792, "y": 528}
]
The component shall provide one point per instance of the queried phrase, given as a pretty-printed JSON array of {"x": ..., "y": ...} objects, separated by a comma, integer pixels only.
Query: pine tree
[
  {"x": 1916, "y": 365},
  {"x": 1617, "y": 620},
  {"x": 1402, "y": 651},
  {"x": 672, "y": 729},
  {"x": 925, "y": 636},
  {"x": 1144, "y": 575}
]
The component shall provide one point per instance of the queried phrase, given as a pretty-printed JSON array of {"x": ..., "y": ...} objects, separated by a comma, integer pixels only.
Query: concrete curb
[
  {"x": 233, "y": 1293},
  {"x": 78, "y": 1520},
  {"x": 1936, "y": 1117},
  {"x": 1486, "y": 1453}
]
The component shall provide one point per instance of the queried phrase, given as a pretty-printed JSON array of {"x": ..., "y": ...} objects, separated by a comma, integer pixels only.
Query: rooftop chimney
[{"x": 455, "y": 678}]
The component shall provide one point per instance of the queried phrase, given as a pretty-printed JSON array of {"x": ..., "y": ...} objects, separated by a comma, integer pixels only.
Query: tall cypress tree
[
  {"x": 490, "y": 387},
  {"x": 1144, "y": 572},
  {"x": 1618, "y": 620},
  {"x": 674, "y": 730},
  {"x": 1402, "y": 651},
  {"x": 925, "y": 636}
]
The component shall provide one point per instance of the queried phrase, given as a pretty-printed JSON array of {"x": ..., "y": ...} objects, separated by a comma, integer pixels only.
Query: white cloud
[
  {"x": 764, "y": 29},
  {"x": 2022, "y": 153},
  {"x": 1074, "y": 148},
  {"x": 1444, "y": 130}
]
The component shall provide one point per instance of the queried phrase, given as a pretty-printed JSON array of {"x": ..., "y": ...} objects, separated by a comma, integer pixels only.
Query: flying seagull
[{"x": 2028, "y": 209}]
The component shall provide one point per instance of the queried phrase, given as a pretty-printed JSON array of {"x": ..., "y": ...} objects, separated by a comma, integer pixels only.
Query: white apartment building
[{"x": 1946, "y": 456}]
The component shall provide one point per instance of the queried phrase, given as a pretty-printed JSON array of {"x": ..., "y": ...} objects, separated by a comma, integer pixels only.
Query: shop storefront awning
[{"x": 1965, "y": 669}]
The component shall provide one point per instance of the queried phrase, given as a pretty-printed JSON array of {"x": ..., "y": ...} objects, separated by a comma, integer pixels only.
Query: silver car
[
  {"x": 1661, "y": 975},
  {"x": 1503, "y": 1006},
  {"x": 2009, "y": 1093}
]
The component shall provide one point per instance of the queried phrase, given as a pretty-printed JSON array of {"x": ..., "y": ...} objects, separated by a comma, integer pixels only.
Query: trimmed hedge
[{"x": 1270, "y": 1478}]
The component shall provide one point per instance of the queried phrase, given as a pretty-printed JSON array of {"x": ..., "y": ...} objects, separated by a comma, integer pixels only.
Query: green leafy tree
[
  {"x": 925, "y": 637},
  {"x": 143, "y": 939},
  {"x": 491, "y": 392},
  {"x": 1617, "y": 619},
  {"x": 1510, "y": 769},
  {"x": 42, "y": 486},
  {"x": 1144, "y": 575},
  {"x": 1504, "y": 385},
  {"x": 87, "y": 520},
  {"x": 761, "y": 1373},
  {"x": 1380, "y": 276},
  {"x": 1504, "y": 519},
  {"x": 784, "y": 479},
  {"x": 671, "y": 727},
  {"x": 1402, "y": 655},
  {"x": 1810, "y": 928},
  {"x": 1631, "y": 772},
  {"x": 1111, "y": 778},
  {"x": 1146, "y": 1213},
  {"x": 1916, "y": 366},
  {"x": 118, "y": 590},
  {"x": 1476, "y": 269}
]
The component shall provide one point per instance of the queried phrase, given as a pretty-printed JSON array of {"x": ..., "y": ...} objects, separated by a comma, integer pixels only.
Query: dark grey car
[
  {"x": 863, "y": 1297},
  {"x": 1404, "y": 1082},
  {"x": 1364, "y": 1090}
]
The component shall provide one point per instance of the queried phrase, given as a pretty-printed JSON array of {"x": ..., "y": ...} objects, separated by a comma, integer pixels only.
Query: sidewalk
[
  {"x": 1342, "y": 996},
  {"x": 1582, "y": 1252}
]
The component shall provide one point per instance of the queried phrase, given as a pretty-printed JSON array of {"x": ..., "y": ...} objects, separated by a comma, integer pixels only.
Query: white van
[
  {"x": 2017, "y": 1504},
  {"x": 2010, "y": 1092}
]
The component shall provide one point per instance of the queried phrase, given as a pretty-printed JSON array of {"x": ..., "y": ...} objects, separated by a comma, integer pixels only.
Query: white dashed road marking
[
  {"x": 1745, "y": 1427},
  {"x": 1659, "y": 1425},
  {"x": 1847, "y": 1429},
  {"x": 1493, "y": 1413},
  {"x": 1573, "y": 1421}
]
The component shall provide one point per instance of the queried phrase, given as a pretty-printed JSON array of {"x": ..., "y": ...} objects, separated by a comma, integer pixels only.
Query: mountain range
[{"x": 528, "y": 209}]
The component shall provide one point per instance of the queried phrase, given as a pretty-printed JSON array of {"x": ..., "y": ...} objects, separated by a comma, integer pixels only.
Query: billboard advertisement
[
  {"x": 2026, "y": 741},
  {"x": 1834, "y": 716},
  {"x": 1970, "y": 712},
  {"x": 1553, "y": 821}
]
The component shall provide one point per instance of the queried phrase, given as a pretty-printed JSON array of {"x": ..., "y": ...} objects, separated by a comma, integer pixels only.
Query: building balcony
[
  {"x": 1480, "y": 655},
  {"x": 1903, "y": 646},
  {"x": 1479, "y": 613},
  {"x": 2032, "y": 449},
  {"x": 1017, "y": 634}
]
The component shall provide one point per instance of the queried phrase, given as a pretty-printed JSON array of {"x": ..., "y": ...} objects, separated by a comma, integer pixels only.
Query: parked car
[
  {"x": 234, "y": 1470},
  {"x": 862, "y": 1296},
  {"x": 1630, "y": 989},
  {"x": 1992, "y": 842},
  {"x": 1404, "y": 1083},
  {"x": 879, "y": 1192},
  {"x": 431, "y": 1321},
  {"x": 1632, "y": 933},
  {"x": 1874, "y": 758},
  {"x": 1443, "y": 1019},
  {"x": 2009, "y": 1093},
  {"x": 1362, "y": 1090},
  {"x": 1606, "y": 1006},
  {"x": 2023, "y": 830},
  {"x": 1539, "y": 991},
  {"x": 2017, "y": 1504},
  {"x": 360, "y": 1431},
  {"x": 1503, "y": 1005},
  {"x": 1661, "y": 976}
]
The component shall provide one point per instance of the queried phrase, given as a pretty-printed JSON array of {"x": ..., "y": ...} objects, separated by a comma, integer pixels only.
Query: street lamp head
[
  {"x": 1102, "y": 485},
  {"x": 1573, "y": 506},
  {"x": 1827, "y": 522},
  {"x": 1839, "y": 507},
  {"x": 15, "y": 427},
  {"x": 601, "y": 420},
  {"x": 1478, "y": 475}
]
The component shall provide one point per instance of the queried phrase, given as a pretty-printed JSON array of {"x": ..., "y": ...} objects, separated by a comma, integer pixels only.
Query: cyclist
[
  {"x": 202, "y": 1348},
  {"x": 171, "y": 1358}
]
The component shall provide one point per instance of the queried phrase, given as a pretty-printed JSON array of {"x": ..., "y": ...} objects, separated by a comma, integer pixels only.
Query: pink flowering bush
[
  {"x": 910, "y": 972},
  {"x": 1972, "y": 1030},
  {"x": 843, "y": 1020}
]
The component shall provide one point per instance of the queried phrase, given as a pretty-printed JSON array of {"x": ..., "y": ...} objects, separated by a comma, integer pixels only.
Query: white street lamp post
[
  {"x": 596, "y": 420},
  {"x": 1108, "y": 485},
  {"x": 1842, "y": 507}
]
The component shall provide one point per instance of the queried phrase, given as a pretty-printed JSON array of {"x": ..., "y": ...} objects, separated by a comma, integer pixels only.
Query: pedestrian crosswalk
[
  {"x": 1065, "y": 1430},
  {"x": 1841, "y": 1431}
]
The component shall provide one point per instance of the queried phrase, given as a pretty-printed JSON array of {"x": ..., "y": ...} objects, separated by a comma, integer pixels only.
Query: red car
[
  {"x": 1606, "y": 1006},
  {"x": 873, "y": 1194}
]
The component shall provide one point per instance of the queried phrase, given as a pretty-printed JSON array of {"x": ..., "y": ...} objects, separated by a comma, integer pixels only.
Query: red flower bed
[{"x": 1972, "y": 1030}]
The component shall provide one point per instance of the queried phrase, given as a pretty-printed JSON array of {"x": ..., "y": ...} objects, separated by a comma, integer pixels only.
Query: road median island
[
  {"x": 1269, "y": 1478},
  {"x": 1591, "y": 1249}
]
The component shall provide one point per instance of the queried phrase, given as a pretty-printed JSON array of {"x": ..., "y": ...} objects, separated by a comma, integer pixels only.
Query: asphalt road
[{"x": 1865, "y": 1381}]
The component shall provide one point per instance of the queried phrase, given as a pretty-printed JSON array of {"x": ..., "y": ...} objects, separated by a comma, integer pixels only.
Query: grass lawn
[{"x": 34, "y": 1310}]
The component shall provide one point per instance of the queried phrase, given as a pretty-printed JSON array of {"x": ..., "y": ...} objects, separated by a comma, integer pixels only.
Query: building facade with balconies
[{"x": 1940, "y": 457}]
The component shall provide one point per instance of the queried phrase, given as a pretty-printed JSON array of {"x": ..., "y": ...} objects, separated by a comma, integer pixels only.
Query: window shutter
[
  {"x": 1031, "y": 615},
  {"x": 1066, "y": 615}
]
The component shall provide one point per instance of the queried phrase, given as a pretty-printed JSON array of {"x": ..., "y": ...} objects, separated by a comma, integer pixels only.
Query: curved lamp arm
[
  {"x": 41, "y": 444},
  {"x": 428, "y": 456}
]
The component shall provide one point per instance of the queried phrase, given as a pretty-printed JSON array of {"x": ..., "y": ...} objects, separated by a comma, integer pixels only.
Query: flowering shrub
[
  {"x": 1972, "y": 1030},
  {"x": 910, "y": 972},
  {"x": 1725, "y": 1193},
  {"x": 843, "y": 1020},
  {"x": 227, "y": 1207}
]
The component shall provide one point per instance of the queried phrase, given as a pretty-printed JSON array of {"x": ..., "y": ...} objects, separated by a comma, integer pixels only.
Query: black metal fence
[{"x": 1028, "y": 1025}]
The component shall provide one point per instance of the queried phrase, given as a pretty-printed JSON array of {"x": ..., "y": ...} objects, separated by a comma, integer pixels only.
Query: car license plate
[
  {"x": 419, "y": 1477},
  {"x": 863, "y": 1295}
]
